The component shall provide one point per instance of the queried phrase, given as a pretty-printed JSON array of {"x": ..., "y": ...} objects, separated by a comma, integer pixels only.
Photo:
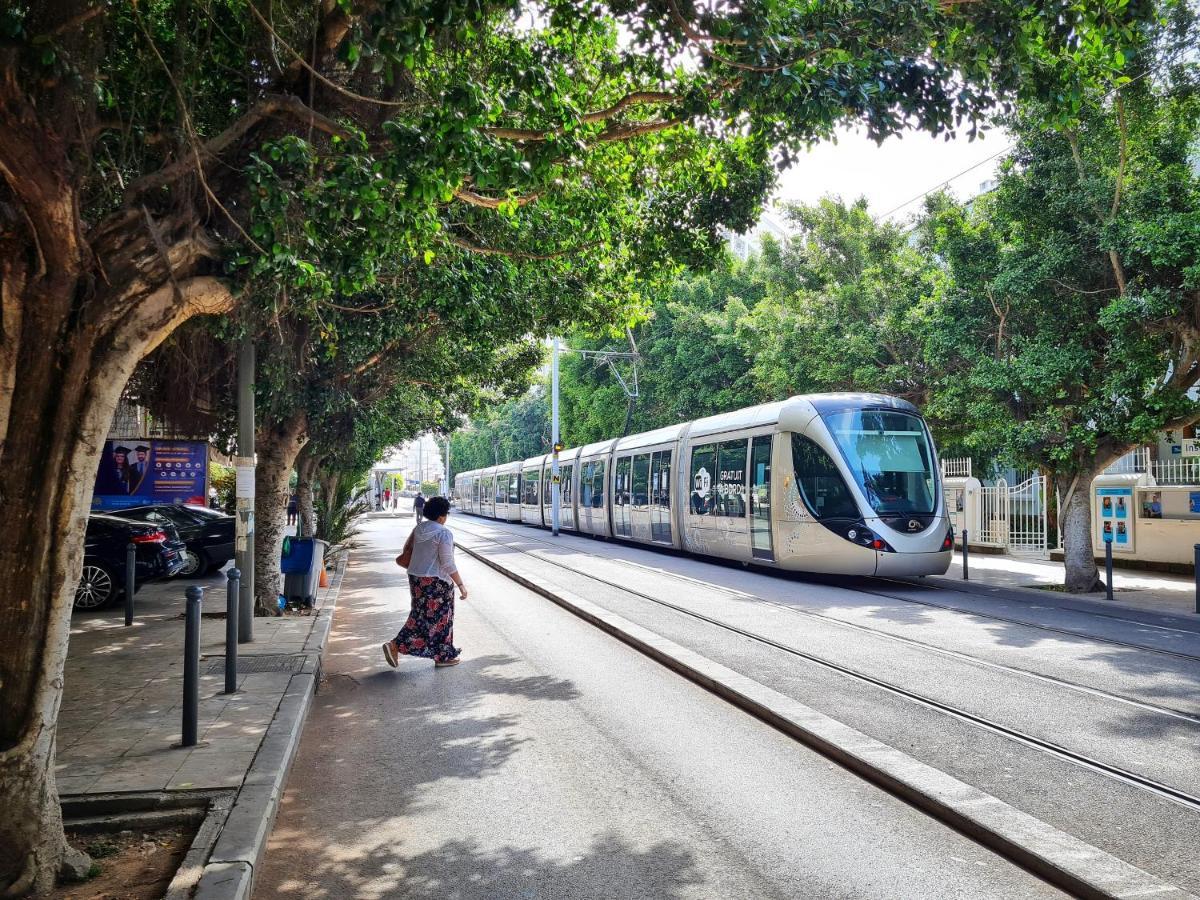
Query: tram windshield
[{"x": 890, "y": 456}]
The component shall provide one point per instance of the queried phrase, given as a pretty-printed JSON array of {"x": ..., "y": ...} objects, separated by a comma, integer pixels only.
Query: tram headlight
[{"x": 860, "y": 534}]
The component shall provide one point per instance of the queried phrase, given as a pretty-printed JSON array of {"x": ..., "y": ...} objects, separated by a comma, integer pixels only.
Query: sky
[{"x": 891, "y": 174}]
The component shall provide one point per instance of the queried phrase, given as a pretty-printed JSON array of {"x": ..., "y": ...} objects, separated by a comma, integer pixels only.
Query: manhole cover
[{"x": 247, "y": 665}]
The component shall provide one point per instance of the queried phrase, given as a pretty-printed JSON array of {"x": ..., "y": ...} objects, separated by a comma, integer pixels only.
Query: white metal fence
[
  {"x": 1185, "y": 470},
  {"x": 1132, "y": 463},
  {"x": 956, "y": 468}
]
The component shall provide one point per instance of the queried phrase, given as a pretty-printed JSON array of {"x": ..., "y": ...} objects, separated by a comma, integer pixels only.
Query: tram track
[
  {"x": 1009, "y": 620},
  {"x": 1108, "y": 770}
]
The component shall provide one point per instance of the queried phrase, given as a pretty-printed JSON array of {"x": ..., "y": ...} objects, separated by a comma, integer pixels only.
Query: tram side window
[
  {"x": 660, "y": 494},
  {"x": 514, "y": 489},
  {"x": 621, "y": 486},
  {"x": 501, "y": 489},
  {"x": 641, "y": 480},
  {"x": 704, "y": 461},
  {"x": 565, "y": 485},
  {"x": 585, "y": 485},
  {"x": 731, "y": 479},
  {"x": 529, "y": 488},
  {"x": 598, "y": 485},
  {"x": 821, "y": 484}
]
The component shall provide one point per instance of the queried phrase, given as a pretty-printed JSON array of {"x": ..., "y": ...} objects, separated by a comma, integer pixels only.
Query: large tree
[
  {"x": 1069, "y": 332},
  {"x": 128, "y": 129}
]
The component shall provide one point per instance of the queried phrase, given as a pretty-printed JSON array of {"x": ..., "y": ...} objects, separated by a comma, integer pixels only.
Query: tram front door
[{"x": 760, "y": 497}]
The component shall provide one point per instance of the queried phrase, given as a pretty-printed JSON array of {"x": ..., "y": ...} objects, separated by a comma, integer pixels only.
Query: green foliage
[
  {"x": 339, "y": 523},
  {"x": 224, "y": 479},
  {"x": 514, "y": 429},
  {"x": 1067, "y": 332}
]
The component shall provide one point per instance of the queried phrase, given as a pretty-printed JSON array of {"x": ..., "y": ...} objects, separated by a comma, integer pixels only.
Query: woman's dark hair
[{"x": 435, "y": 508}]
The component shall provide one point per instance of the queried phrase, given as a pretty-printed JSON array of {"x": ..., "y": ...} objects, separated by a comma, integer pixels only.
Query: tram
[{"x": 824, "y": 483}]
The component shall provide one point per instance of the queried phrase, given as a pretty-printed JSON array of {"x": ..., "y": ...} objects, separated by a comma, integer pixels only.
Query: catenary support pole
[
  {"x": 191, "y": 667},
  {"x": 555, "y": 494},
  {"x": 966, "y": 555},
  {"x": 245, "y": 491},
  {"x": 130, "y": 581},
  {"x": 231, "y": 630},
  {"x": 1108, "y": 585}
]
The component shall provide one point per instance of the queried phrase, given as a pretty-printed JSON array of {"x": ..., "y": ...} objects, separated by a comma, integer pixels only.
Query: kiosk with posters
[
  {"x": 962, "y": 507},
  {"x": 1114, "y": 505}
]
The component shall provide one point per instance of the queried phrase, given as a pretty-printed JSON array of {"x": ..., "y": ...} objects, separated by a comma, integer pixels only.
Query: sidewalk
[
  {"x": 121, "y": 714},
  {"x": 1146, "y": 591}
]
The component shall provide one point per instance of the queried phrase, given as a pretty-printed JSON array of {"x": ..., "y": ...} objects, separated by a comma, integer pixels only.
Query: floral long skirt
[{"x": 429, "y": 631}]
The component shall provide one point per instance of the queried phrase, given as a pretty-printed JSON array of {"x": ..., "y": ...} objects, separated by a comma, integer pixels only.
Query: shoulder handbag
[{"x": 405, "y": 556}]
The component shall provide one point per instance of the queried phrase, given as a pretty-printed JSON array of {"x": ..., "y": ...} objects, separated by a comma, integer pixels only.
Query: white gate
[
  {"x": 993, "y": 515},
  {"x": 1027, "y": 521}
]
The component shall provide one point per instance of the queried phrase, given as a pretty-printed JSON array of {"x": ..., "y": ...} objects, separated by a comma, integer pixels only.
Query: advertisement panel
[{"x": 138, "y": 472}]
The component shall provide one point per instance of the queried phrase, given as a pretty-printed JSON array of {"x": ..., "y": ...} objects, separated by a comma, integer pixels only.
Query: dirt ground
[{"x": 129, "y": 865}]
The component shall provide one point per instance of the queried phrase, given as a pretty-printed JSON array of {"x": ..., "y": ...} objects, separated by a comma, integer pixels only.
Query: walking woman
[{"x": 429, "y": 557}]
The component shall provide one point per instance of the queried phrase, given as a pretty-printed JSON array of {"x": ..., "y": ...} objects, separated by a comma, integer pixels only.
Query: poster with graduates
[{"x": 138, "y": 472}]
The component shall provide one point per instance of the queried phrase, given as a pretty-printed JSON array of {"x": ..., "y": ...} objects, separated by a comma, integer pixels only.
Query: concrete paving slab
[{"x": 122, "y": 712}]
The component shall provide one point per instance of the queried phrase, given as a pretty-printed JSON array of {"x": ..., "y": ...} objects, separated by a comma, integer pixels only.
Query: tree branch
[
  {"x": 532, "y": 135},
  {"x": 463, "y": 244},
  {"x": 275, "y": 105},
  {"x": 468, "y": 196}
]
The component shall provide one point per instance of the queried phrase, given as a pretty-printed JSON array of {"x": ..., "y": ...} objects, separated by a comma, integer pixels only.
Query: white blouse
[{"x": 433, "y": 552}]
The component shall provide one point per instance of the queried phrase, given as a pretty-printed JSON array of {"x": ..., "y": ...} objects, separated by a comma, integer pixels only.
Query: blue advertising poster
[
  {"x": 1114, "y": 503},
  {"x": 139, "y": 472},
  {"x": 1194, "y": 501}
]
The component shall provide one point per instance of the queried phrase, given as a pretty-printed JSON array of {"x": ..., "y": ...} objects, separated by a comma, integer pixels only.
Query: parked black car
[
  {"x": 209, "y": 534},
  {"x": 158, "y": 554}
]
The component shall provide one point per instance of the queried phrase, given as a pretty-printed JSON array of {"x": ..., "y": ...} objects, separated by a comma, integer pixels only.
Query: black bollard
[
  {"x": 966, "y": 555},
  {"x": 231, "y": 629},
  {"x": 191, "y": 667},
  {"x": 1196, "y": 561},
  {"x": 1108, "y": 569},
  {"x": 130, "y": 580}
]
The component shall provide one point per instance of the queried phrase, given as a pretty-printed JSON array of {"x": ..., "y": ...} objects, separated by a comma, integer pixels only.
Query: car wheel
[
  {"x": 194, "y": 564},
  {"x": 96, "y": 588}
]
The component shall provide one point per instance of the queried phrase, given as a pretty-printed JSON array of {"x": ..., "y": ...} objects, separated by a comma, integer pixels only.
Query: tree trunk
[
  {"x": 278, "y": 446},
  {"x": 306, "y": 466},
  {"x": 1078, "y": 555},
  {"x": 67, "y": 350},
  {"x": 329, "y": 487}
]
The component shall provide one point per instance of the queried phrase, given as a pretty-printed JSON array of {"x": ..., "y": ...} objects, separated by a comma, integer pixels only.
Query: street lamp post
[{"x": 554, "y": 486}]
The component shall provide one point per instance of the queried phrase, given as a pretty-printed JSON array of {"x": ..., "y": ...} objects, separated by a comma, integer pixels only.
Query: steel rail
[{"x": 1114, "y": 772}]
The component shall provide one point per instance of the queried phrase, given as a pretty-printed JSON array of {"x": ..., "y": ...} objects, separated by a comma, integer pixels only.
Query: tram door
[{"x": 760, "y": 497}]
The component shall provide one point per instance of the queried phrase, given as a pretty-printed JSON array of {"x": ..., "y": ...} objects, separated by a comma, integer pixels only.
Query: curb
[
  {"x": 1056, "y": 856},
  {"x": 1062, "y": 601},
  {"x": 229, "y": 872}
]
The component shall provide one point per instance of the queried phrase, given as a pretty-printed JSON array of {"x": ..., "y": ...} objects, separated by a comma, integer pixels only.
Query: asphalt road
[
  {"x": 557, "y": 762},
  {"x": 1057, "y": 675}
]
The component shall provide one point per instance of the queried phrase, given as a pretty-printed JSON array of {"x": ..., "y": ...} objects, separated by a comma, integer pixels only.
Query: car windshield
[{"x": 890, "y": 456}]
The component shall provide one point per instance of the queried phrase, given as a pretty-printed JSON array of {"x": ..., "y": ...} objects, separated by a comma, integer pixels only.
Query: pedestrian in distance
[
  {"x": 418, "y": 505},
  {"x": 293, "y": 509},
  {"x": 429, "y": 558}
]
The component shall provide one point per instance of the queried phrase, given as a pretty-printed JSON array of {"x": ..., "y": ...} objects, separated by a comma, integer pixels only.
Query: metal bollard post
[
  {"x": 966, "y": 555},
  {"x": 130, "y": 580},
  {"x": 1108, "y": 569},
  {"x": 231, "y": 629},
  {"x": 1196, "y": 560},
  {"x": 191, "y": 667}
]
